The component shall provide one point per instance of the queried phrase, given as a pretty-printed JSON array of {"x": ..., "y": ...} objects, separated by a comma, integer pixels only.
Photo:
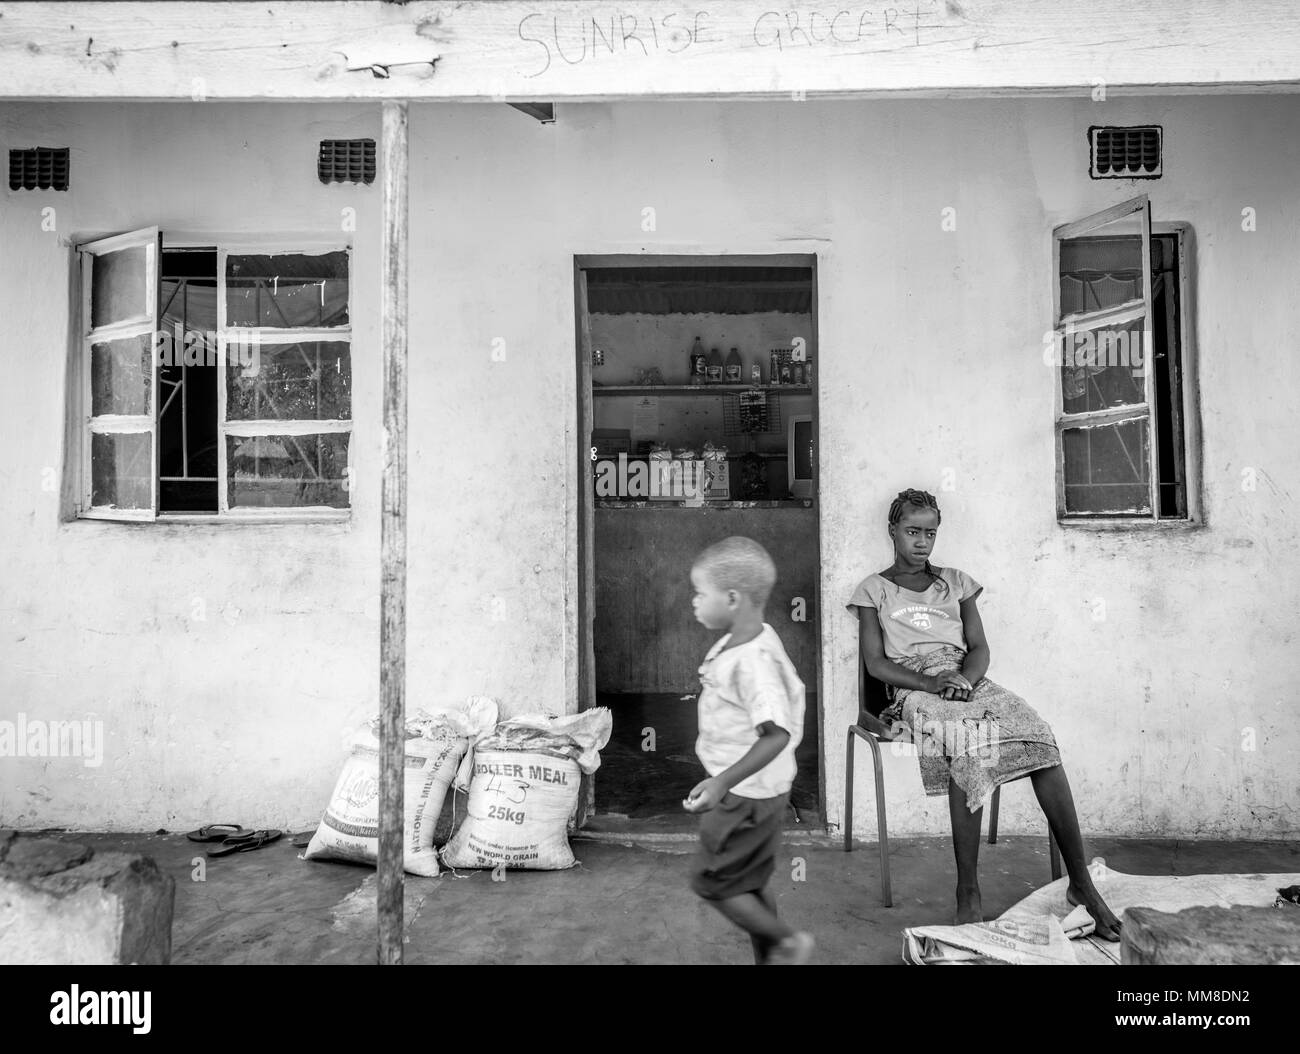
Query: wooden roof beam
[{"x": 524, "y": 52}]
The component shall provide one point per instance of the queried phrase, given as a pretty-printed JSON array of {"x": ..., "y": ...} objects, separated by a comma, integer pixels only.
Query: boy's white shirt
[{"x": 741, "y": 688}]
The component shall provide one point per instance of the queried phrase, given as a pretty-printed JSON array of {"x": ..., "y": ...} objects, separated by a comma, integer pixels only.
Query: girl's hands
[{"x": 949, "y": 684}]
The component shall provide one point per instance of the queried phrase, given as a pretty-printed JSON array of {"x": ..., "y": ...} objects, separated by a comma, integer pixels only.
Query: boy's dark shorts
[{"x": 739, "y": 838}]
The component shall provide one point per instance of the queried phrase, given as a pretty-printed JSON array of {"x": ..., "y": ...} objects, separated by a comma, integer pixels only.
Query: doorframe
[{"x": 586, "y": 518}]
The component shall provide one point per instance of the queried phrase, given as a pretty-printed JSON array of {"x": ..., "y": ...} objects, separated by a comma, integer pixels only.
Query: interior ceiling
[{"x": 698, "y": 290}]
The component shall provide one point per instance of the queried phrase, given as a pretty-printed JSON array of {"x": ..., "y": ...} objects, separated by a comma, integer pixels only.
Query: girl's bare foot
[
  {"x": 1108, "y": 926},
  {"x": 968, "y": 906}
]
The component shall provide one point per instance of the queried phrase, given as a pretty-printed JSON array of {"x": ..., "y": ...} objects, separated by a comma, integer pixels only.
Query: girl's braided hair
[{"x": 921, "y": 499}]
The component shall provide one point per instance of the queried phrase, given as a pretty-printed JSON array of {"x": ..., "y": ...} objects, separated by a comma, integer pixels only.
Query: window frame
[
  {"x": 150, "y": 238},
  {"x": 275, "y": 335},
  {"x": 226, "y": 243},
  {"x": 1186, "y": 370}
]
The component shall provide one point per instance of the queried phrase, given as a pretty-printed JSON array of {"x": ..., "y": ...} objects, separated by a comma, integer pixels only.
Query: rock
[
  {"x": 38, "y": 857},
  {"x": 1205, "y": 936},
  {"x": 62, "y": 904}
]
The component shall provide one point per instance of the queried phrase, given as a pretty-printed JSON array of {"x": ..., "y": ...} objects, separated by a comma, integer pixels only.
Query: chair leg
[
  {"x": 1054, "y": 853},
  {"x": 848, "y": 793},
  {"x": 882, "y": 828},
  {"x": 993, "y": 815}
]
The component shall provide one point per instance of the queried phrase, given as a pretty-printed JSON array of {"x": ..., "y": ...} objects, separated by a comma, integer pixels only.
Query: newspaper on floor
[
  {"x": 1036, "y": 940},
  {"x": 1027, "y": 932}
]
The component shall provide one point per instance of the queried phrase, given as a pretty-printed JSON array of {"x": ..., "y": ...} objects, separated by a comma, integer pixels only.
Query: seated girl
[{"x": 921, "y": 633}]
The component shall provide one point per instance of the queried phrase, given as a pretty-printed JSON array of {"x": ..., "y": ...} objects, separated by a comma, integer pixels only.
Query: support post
[{"x": 392, "y": 543}]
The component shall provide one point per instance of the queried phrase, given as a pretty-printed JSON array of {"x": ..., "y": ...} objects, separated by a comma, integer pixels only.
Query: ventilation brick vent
[
  {"x": 346, "y": 161},
  {"x": 39, "y": 168},
  {"x": 1126, "y": 153}
]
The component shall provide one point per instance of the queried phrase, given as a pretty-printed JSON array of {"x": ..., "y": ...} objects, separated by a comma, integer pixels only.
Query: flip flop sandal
[
  {"x": 303, "y": 840},
  {"x": 218, "y": 832},
  {"x": 246, "y": 843}
]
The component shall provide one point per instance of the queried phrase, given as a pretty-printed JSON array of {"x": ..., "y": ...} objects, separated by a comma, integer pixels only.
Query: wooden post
[{"x": 392, "y": 543}]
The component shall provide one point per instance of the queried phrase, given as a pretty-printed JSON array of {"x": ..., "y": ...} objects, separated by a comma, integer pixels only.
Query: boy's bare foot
[
  {"x": 794, "y": 950},
  {"x": 1108, "y": 926},
  {"x": 969, "y": 908}
]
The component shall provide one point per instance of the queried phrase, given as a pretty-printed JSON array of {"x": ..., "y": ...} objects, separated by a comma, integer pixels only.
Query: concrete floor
[{"x": 625, "y": 903}]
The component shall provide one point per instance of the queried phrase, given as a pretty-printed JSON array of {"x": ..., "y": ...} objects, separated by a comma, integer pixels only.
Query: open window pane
[
  {"x": 121, "y": 470},
  {"x": 1100, "y": 272},
  {"x": 1107, "y": 469},
  {"x": 1103, "y": 368},
  {"x": 121, "y": 378},
  {"x": 117, "y": 375},
  {"x": 119, "y": 286},
  {"x": 287, "y": 290},
  {"x": 288, "y": 471},
  {"x": 308, "y": 380}
]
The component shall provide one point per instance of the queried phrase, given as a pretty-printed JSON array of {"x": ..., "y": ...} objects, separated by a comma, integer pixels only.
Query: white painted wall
[{"x": 930, "y": 360}]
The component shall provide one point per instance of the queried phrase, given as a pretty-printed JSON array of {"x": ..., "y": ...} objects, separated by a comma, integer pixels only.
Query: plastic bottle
[
  {"x": 774, "y": 368},
  {"x": 733, "y": 368},
  {"x": 698, "y": 369},
  {"x": 715, "y": 366},
  {"x": 755, "y": 373}
]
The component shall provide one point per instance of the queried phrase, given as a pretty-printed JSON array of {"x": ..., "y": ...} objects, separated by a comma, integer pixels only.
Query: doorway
[{"x": 697, "y": 380}]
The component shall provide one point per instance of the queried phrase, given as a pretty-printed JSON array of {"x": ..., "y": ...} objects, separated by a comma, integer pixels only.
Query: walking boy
[{"x": 751, "y": 719}]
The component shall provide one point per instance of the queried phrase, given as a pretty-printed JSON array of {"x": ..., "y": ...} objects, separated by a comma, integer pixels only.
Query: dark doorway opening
[{"x": 642, "y": 402}]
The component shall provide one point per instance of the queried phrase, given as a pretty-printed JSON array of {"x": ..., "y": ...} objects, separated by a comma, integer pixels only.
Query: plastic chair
[{"x": 875, "y": 732}]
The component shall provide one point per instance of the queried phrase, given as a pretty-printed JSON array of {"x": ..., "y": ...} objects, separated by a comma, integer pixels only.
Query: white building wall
[{"x": 931, "y": 345}]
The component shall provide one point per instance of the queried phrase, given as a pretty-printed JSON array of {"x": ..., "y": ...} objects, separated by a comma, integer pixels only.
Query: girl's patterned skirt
[{"x": 992, "y": 738}]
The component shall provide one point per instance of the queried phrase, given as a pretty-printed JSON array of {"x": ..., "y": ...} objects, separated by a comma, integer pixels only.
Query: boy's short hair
[{"x": 741, "y": 564}]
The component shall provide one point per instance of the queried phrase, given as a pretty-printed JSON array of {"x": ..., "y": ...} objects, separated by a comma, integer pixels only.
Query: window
[
  {"x": 1123, "y": 401},
  {"x": 218, "y": 380}
]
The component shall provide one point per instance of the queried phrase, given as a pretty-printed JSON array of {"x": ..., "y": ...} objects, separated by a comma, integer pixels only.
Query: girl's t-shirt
[{"x": 913, "y": 623}]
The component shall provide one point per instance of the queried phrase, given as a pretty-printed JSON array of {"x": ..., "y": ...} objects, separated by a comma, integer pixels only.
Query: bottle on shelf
[
  {"x": 808, "y": 373},
  {"x": 755, "y": 373},
  {"x": 796, "y": 373},
  {"x": 787, "y": 376},
  {"x": 698, "y": 367},
  {"x": 774, "y": 368},
  {"x": 733, "y": 367},
  {"x": 715, "y": 367}
]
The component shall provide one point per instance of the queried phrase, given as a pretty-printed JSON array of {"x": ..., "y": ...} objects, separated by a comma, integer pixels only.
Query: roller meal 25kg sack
[
  {"x": 523, "y": 788},
  {"x": 436, "y": 743}
]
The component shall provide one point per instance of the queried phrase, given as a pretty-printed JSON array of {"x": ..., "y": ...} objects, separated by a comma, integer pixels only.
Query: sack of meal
[
  {"x": 436, "y": 742},
  {"x": 523, "y": 779}
]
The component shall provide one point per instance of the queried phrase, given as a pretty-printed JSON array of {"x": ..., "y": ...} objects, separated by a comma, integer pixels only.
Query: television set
[{"x": 800, "y": 456}]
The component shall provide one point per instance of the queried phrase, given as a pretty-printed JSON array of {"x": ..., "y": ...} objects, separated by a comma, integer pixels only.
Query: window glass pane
[
  {"x": 118, "y": 286},
  {"x": 120, "y": 375},
  {"x": 305, "y": 381},
  {"x": 1106, "y": 468},
  {"x": 1103, "y": 368},
  {"x": 284, "y": 471},
  {"x": 1098, "y": 273},
  {"x": 291, "y": 290},
  {"x": 121, "y": 470}
]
